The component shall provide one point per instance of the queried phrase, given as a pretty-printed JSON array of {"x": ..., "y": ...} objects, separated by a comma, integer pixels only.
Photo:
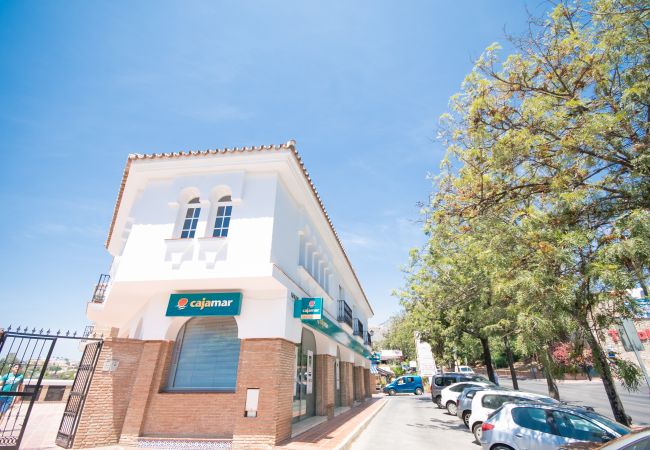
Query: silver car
[
  {"x": 536, "y": 426},
  {"x": 464, "y": 402}
]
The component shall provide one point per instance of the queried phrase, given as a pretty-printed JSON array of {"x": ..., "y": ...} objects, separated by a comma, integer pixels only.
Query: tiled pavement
[
  {"x": 336, "y": 433},
  {"x": 332, "y": 434}
]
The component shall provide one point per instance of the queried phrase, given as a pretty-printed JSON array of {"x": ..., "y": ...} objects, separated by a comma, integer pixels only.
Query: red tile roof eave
[{"x": 291, "y": 145}]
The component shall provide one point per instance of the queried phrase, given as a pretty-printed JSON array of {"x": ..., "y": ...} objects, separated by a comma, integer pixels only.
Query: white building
[{"x": 246, "y": 230}]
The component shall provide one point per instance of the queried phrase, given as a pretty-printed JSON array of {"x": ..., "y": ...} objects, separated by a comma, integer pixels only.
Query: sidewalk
[
  {"x": 336, "y": 434},
  {"x": 339, "y": 432}
]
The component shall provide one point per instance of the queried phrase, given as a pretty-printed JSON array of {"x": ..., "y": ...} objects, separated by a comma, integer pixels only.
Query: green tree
[{"x": 555, "y": 141}]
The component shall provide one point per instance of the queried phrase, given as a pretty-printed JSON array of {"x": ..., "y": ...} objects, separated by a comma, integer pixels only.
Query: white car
[
  {"x": 451, "y": 393},
  {"x": 465, "y": 370},
  {"x": 485, "y": 402}
]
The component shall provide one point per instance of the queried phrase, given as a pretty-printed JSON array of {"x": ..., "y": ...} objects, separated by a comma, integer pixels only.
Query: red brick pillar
[
  {"x": 145, "y": 384},
  {"x": 325, "y": 385},
  {"x": 366, "y": 383},
  {"x": 347, "y": 384},
  {"x": 372, "y": 379},
  {"x": 359, "y": 390},
  {"x": 266, "y": 364},
  {"x": 108, "y": 398}
]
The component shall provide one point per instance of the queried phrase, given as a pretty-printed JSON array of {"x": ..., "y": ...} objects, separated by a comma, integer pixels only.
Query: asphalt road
[
  {"x": 414, "y": 422},
  {"x": 592, "y": 393}
]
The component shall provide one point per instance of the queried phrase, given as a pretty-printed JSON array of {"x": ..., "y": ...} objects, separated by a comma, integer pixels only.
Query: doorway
[{"x": 304, "y": 395}]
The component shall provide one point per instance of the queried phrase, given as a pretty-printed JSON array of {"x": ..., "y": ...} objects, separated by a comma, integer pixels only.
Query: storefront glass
[{"x": 304, "y": 398}]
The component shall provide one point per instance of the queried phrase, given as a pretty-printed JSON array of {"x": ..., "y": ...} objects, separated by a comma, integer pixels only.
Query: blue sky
[{"x": 360, "y": 86}]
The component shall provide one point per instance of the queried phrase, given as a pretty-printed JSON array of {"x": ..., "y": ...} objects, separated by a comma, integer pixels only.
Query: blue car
[{"x": 408, "y": 384}]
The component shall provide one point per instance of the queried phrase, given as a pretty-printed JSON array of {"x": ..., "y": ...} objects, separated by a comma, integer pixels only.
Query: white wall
[{"x": 272, "y": 204}]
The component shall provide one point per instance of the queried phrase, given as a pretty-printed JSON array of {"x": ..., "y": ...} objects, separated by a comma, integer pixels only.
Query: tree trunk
[
  {"x": 511, "y": 363},
  {"x": 602, "y": 365},
  {"x": 553, "y": 391},
  {"x": 487, "y": 358}
]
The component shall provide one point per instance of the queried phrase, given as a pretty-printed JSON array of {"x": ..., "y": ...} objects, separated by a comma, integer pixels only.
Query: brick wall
[
  {"x": 372, "y": 379},
  {"x": 109, "y": 394},
  {"x": 325, "y": 385},
  {"x": 130, "y": 402},
  {"x": 366, "y": 383},
  {"x": 267, "y": 364},
  {"x": 347, "y": 384},
  {"x": 211, "y": 414},
  {"x": 359, "y": 389}
]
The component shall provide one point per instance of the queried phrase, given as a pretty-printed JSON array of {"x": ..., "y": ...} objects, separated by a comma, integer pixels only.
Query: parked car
[
  {"x": 441, "y": 381},
  {"x": 450, "y": 394},
  {"x": 467, "y": 370},
  {"x": 538, "y": 426},
  {"x": 405, "y": 384},
  {"x": 486, "y": 402},
  {"x": 636, "y": 440},
  {"x": 464, "y": 402}
]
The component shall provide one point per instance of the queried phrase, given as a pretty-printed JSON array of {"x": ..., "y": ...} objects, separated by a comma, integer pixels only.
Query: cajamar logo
[
  {"x": 312, "y": 303},
  {"x": 182, "y": 303}
]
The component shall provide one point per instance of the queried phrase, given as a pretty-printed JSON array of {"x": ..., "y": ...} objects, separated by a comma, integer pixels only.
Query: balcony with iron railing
[
  {"x": 100, "y": 289},
  {"x": 358, "y": 328},
  {"x": 368, "y": 338},
  {"x": 344, "y": 313}
]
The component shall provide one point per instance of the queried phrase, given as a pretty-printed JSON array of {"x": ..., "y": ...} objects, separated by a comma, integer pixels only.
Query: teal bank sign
[{"x": 204, "y": 304}]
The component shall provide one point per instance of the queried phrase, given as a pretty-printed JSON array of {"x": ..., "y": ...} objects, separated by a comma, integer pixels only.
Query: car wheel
[
  {"x": 418, "y": 391},
  {"x": 478, "y": 432},
  {"x": 391, "y": 392},
  {"x": 501, "y": 447},
  {"x": 466, "y": 415},
  {"x": 451, "y": 408}
]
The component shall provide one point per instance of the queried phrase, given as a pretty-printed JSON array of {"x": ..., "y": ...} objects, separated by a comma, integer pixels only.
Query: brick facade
[
  {"x": 359, "y": 389},
  {"x": 325, "y": 385},
  {"x": 347, "y": 384},
  {"x": 366, "y": 383},
  {"x": 128, "y": 403},
  {"x": 108, "y": 398}
]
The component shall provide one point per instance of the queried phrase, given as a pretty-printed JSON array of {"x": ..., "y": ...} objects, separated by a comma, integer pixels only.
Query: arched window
[
  {"x": 191, "y": 218},
  {"x": 222, "y": 219},
  {"x": 206, "y": 355}
]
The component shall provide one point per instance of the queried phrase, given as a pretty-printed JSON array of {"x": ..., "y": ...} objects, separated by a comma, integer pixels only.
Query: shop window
[
  {"x": 191, "y": 219},
  {"x": 206, "y": 356},
  {"x": 222, "y": 219}
]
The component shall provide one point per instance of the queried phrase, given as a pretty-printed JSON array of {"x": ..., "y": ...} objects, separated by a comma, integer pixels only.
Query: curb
[{"x": 349, "y": 440}]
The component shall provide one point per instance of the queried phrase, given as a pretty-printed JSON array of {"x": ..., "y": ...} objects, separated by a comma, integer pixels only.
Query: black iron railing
[
  {"x": 100, "y": 290},
  {"x": 358, "y": 328},
  {"x": 345, "y": 313}
]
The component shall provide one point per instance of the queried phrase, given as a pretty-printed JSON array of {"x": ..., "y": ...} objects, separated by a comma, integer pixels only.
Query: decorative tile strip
[{"x": 188, "y": 444}]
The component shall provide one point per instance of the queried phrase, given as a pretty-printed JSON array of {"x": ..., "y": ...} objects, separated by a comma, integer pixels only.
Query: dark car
[{"x": 441, "y": 381}]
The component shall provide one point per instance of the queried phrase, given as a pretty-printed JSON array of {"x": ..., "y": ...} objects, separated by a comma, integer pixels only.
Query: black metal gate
[
  {"x": 24, "y": 358},
  {"x": 80, "y": 386}
]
